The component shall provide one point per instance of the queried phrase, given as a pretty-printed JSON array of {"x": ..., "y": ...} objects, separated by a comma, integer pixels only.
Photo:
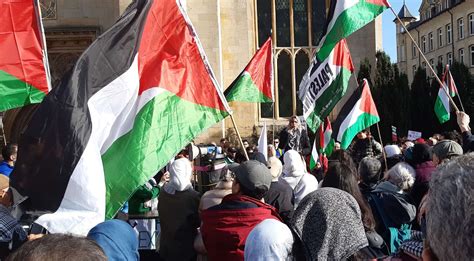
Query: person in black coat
[{"x": 295, "y": 137}]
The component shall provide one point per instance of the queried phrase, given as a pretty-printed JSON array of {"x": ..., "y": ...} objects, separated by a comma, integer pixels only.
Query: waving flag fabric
[
  {"x": 323, "y": 85},
  {"x": 357, "y": 114},
  {"x": 135, "y": 98},
  {"x": 345, "y": 17},
  {"x": 254, "y": 84},
  {"x": 23, "y": 69},
  {"x": 442, "y": 106}
]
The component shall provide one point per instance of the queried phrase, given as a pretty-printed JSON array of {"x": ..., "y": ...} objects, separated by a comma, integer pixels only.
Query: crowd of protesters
[{"x": 406, "y": 201}]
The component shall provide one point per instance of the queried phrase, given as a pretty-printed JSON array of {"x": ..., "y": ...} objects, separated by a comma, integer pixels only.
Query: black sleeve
[
  {"x": 468, "y": 141},
  {"x": 283, "y": 139},
  {"x": 305, "y": 144}
]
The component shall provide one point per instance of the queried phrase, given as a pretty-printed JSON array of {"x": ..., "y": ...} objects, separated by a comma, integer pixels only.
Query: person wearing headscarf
[
  {"x": 295, "y": 137},
  {"x": 295, "y": 175},
  {"x": 178, "y": 205},
  {"x": 280, "y": 194},
  {"x": 328, "y": 226},
  {"x": 117, "y": 239},
  {"x": 271, "y": 240}
]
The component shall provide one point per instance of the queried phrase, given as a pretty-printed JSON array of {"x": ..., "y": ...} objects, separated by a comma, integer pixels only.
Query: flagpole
[
  {"x": 426, "y": 60},
  {"x": 3, "y": 132},
  {"x": 383, "y": 149},
  {"x": 274, "y": 122},
  {"x": 238, "y": 135}
]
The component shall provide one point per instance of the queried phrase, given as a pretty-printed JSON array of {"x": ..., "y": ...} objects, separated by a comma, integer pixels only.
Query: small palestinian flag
[
  {"x": 326, "y": 140},
  {"x": 314, "y": 157},
  {"x": 135, "y": 98},
  {"x": 323, "y": 85},
  {"x": 442, "y": 106},
  {"x": 255, "y": 83},
  {"x": 357, "y": 114},
  {"x": 345, "y": 17},
  {"x": 23, "y": 65}
]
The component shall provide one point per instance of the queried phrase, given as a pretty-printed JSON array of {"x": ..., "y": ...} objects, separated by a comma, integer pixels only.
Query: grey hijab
[{"x": 328, "y": 223}]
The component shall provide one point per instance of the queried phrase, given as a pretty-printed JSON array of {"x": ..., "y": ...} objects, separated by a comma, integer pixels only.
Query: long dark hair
[{"x": 343, "y": 177}]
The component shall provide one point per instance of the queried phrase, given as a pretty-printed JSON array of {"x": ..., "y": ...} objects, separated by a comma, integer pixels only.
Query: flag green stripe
[
  {"x": 15, "y": 93},
  {"x": 244, "y": 89},
  {"x": 349, "y": 21},
  {"x": 328, "y": 100},
  {"x": 440, "y": 111},
  {"x": 329, "y": 148},
  {"x": 161, "y": 129},
  {"x": 364, "y": 121}
]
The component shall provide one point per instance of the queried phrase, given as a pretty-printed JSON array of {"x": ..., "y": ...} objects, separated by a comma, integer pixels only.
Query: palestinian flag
[
  {"x": 23, "y": 64},
  {"x": 442, "y": 106},
  {"x": 357, "y": 114},
  {"x": 344, "y": 18},
  {"x": 135, "y": 98},
  {"x": 324, "y": 84},
  {"x": 255, "y": 83},
  {"x": 314, "y": 157},
  {"x": 325, "y": 138}
]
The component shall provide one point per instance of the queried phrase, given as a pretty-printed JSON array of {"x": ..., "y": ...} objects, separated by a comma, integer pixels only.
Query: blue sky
[{"x": 389, "y": 39}]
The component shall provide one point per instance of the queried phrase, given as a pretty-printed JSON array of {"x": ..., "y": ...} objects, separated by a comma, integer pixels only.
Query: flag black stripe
[
  {"x": 59, "y": 130},
  {"x": 346, "y": 109}
]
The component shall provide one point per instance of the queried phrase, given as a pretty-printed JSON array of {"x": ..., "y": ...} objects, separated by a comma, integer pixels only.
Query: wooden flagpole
[{"x": 426, "y": 60}]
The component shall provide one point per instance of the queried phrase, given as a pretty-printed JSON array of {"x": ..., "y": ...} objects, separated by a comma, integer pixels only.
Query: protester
[
  {"x": 369, "y": 175},
  {"x": 294, "y": 174},
  {"x": 225, "y": 144},
  {"x": 468, "y": 139},
  {"x": 214, "y": 196},
  {"x": 280, "y": 194},
  {"x": 59, "y": 247},
  {"x": 246, "y": 143},
  {"x": 295, "y": 137},
  {"x": 393, "y": 155},
  {"x": 140, "y": 202},
  {"x": 225, "y": 227},
  {"x": 450, "y": 212},
  {"x": 9, "y": 154},
  {"x": 365, "y": 146},
  {"x": 328, "y": 226},
  {"x": 278, "y": 150},
  {"x": 446, "y": 150},
  {"x": 178, "y": 205},
  {"x": 117, "y": 239},
  {"x": 390, "y": 204},
  {"x": 12, "y": 235},
  {"x": 271, "y": 240},
  {"x": 423, "y": 164},
  {"x": 342, "y": 177}
]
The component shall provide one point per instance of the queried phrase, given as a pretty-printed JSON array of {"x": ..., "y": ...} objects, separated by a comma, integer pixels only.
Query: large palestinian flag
[
  {"x": 134, "y": 99},
  {"x": 442, "y": 107},
  {"x": 254, "y": 84},
  {"x": 357, "y": 114},
  {"x": 23, "y": 69},
  {"x": 324, "y": 84},
  {"x": 344, "y": 18}
]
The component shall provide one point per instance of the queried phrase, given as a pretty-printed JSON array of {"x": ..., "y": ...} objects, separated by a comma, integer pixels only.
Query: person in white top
[{"x": 295, "y": 174}]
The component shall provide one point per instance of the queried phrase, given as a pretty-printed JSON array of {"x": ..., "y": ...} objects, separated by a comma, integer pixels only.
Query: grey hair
[
  {"x": 402, "y": 175},
  {"x": 450, "y": 210}
]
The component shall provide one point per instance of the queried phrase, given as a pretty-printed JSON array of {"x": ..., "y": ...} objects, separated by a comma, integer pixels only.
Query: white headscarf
[
  {"x": 180, "y": 176},
  {"x": 293, "y": 168},
  {"x": 269, "y": 240}
]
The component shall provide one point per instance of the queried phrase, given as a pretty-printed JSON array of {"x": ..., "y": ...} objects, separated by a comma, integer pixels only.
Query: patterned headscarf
[{"x": 328, "y": 223}]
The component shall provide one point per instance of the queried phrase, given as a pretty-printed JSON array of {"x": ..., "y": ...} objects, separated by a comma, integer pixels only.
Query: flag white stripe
[
  {"x": 262, "y": 141},
  {"x": 87, "y": 182},
  {"x": 350, "y": 119}
]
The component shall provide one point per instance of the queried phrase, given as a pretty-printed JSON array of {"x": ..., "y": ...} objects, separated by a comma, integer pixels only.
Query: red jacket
[{"x": 224, "y": 231}]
